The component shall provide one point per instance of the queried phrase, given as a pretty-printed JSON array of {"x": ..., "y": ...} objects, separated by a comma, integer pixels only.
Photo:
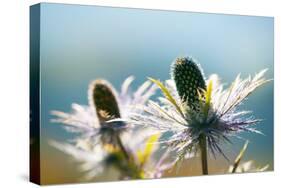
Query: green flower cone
[{"x": 189, "y": 80}]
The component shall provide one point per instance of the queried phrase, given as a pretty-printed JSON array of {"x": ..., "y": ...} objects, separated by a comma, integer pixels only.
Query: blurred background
[{"x": 82, "y": 43}]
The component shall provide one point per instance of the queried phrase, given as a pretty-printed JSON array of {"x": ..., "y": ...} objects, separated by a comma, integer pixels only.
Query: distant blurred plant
[
  {"x": 200, "y": 114},
  {"x": 105, "y": 140},
  {"x": 247, "y": 166}
]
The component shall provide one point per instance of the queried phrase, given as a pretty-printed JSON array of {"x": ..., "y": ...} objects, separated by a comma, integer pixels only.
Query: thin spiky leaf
[
  {"x": 167, "y": 94},
  {"x": 143, "y": 156},
  {"x": 208, "y": 97},
  {"x": 239, "y": 157}
]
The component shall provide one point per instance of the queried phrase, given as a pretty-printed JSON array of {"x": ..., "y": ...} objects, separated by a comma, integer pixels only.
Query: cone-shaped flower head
[
  {"x": 105, "y": 101},
  {"x": 189, "y": 80},
  {"x": 105, "y": 104},
  {"x": 103, "y": 98}
]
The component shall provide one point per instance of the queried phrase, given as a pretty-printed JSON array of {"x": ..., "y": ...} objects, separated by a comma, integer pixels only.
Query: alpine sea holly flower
[
  {"x": 105, "y": 140},
  {"x": 105, "y": 103},
  {"x": 200, "y": 113}
]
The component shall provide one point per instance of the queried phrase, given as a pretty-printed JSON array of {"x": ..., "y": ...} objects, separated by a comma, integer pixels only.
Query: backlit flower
[
  {"x": 105, "y": 140},
  {"x": 200, "y": 113}
]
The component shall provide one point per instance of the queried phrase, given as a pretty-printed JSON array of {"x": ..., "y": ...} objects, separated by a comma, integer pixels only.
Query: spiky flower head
[
  {"x": 104, "y": 104},
  {"x": 189, "y": 80},
  {"x": 105, "y": 140},
  {"x": 212, "y": 113}
]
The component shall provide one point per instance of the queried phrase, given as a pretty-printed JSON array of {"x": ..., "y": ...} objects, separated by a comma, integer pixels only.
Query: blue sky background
[{"x": 82, "y": 43}]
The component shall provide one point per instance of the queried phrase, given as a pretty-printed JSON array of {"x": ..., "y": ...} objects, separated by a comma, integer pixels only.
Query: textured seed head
[
  {"x": 189, "y": 80},
  {"x": 103, "y": 99}
]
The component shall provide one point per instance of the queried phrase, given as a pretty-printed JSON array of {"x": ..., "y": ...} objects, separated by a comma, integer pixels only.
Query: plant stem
[
  {"x": 204, "y": 156},
  {"x": 130, "y": 171},
  {"x": 123, "y": 149}
]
